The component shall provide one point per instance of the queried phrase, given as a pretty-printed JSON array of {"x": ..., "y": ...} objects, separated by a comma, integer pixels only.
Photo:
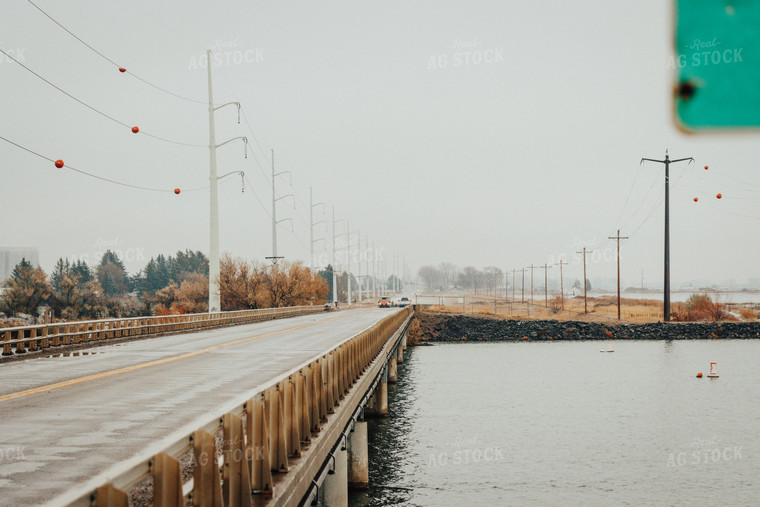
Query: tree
[
  {"x": 430, "y": 276},
  {"x": 25, "y": 291},
  {"x": 327, "y": 276},
  {"x": 73, "y": 296},
  {"x": 469, "y": 278},
  {"x": 448, "y": 273},
  {"x": 112, "y": 275},
  {"x": 492, "y": 277}
]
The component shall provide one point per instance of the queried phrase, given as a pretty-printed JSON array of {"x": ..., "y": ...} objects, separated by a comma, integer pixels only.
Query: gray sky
[{"x": 484, "y": 133}]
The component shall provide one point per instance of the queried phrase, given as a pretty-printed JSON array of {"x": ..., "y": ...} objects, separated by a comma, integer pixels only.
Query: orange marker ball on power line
[
  {"x": 122, "y": 69},
  {"x": 707, "y": 167},
  {"x": 719, "y": 196},
  {"x": 135, "y": 130},
  {"x": 699, "y": 375},
  {"x": 696, "y": 199},
  {"x": 59, "y": 163},
  {"x": 176, "y": 191}
]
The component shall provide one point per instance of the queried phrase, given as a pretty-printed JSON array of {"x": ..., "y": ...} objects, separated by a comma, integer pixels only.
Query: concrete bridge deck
[{"x": 67, "y": 420}]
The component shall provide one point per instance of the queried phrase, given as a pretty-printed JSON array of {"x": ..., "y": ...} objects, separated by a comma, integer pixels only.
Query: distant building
[{"x": 10, "y": 256}]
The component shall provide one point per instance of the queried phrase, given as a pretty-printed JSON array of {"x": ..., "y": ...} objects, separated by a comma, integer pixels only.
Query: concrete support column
[
  {"x": 393, "y": 370},
  {"x": 403, "y": 341},
  {"x": 358, "y": 457},
  {"x": 379, "y": 407},
  {"x": 334, "y": 490},
  {"x": 400, "y": 355}
]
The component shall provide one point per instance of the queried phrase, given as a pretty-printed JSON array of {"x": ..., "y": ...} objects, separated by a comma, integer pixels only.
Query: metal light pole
[
  {"x": 348, "y": 264},
  {"x": 274, "y": 256},
  {"x": 334, "y": 275},
  {"x": 311, "y": 227},
  {"x": 666, "y": 282}
]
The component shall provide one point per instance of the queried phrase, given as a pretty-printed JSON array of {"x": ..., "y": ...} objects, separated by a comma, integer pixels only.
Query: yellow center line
[{"x": 157, "y": 362}]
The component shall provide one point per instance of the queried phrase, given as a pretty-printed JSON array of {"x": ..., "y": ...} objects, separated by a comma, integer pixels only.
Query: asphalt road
[{"x": 65, "y": 419}]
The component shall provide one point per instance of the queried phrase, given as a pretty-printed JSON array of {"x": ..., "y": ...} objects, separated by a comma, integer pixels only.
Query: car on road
[
  {"x": 403, "y": 302},
  {"x": 384, "y": 302}
]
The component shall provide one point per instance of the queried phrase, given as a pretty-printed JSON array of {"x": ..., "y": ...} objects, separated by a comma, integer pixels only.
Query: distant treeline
[{"x": 166, "y": 285}]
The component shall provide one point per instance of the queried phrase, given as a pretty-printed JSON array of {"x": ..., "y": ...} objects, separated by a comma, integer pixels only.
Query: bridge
[{"x": 253, "y": 408}]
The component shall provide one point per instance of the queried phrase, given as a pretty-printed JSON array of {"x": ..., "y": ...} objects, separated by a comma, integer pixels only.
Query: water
[{"x": 561, "y": 423}]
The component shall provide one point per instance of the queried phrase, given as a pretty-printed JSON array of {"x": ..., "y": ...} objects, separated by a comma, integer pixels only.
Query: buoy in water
[
  {"x": 699, "y": 375},
  {"x": 713, "y": 370}
]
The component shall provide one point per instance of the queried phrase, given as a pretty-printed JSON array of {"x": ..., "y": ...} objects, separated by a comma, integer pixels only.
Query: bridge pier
[
  {"x": 334, "y": 490},
  {"x": 358, "y": 457},
  {"x": 378, "y": 403},
  {"x": 393, "y": 370},
  {"x": 400, "y": 354}
]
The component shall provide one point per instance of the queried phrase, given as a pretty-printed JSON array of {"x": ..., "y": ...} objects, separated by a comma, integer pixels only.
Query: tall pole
[
  {"x": 522, "y": 297},
  {"x": 334, "y": 276},
  {"x": 359, "y": 262},
  {"x": 618, "y": 238},
  {"x": 274, "y": 214},
  {"x": 531, "y": 282},
  {"x": 311, "y": 229},
  {"x": 666, "y": 282},
  {"x": 214, "y": 296},
  {"x": 585, "y": 285},
  {"x": 513, "y": 284},
  {"x": 546, "y": 268},
  {"x": 374, "y": 271},
  {"x": 348, "y": 264},
  {"x": 561, "y": 284}
]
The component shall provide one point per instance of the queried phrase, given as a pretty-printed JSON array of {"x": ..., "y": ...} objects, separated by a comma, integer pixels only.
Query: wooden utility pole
[
  {"x": 513, "y": 284},
  {"x": 561, "y": 284},
  {"x": 666, "y": 283},
  {"x": 618, "y": 238},
  {"x": 546, "y": 269},
  {"x": 531, "y": 282},
  {"x": 585, "y": 285},
  {"x": 522, "y": 297}
]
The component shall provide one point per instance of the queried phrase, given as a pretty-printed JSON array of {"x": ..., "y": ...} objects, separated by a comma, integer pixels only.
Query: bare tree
[
  {"x": 448, "y": 273},
  {"x": 431, "y": 276}
]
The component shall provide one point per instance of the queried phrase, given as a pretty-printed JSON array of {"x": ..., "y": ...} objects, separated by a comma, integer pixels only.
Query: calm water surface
[{"x": 563, "y": 424}]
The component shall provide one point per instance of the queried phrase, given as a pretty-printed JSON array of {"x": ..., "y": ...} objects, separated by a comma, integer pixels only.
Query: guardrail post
[
  {"x": 45, "y": 342},
  {"x": 258, "y": 442},
  {"x": 237, "y": 478},
  {"x": 167, "y": 482},
  {"x": 20, "y": 346},
  {"x": 108, "y": 496},
  {"x": 327, "y": 377},
  {"x": 278, "y": 454},
  {"x": 320, "y": 390},
  {"x": 32, "y": 341},
  {"x": 303, "y": 402},
  {"x": 206, "y": 489},
  {"x": 292, "y": 419},
  {"x": 7, "y": 349}
]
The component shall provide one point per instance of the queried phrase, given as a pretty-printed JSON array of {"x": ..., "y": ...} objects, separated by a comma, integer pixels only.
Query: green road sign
[{"x": 717, "y": 64}]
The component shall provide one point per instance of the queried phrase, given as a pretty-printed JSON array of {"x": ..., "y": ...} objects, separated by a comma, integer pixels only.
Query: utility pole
[
  {"x": 513, "y": 284},
  {"x": 585, "y": 285},
  {"x": 348, "y": 264},
  {"x": 374, "y": 271},
  {"x": 334, "y": 275},
  {"x": 546, "y": 269},
  {"x": 666, "y": 282},
  {"x": 561, "y": 284},
  {"x": 359, "y": 262},
  {"x": 618, "y": 238},
  {"x": 531, "y": 282},
  {"x": 274, "y": 258},
  {"x": 214, "y": 294},
  {"x": 311, "y": 228},
  {"x": 522, "y": 297}
]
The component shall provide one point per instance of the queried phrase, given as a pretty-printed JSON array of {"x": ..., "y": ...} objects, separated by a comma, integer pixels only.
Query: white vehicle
[{"x": 404, "y": 301}]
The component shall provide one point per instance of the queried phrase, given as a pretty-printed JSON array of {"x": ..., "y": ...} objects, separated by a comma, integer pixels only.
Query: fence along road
[{"x": 67, "y": 419}]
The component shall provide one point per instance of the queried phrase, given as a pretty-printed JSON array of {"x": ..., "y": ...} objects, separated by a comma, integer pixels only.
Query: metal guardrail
[
  {"x": 42, "y": 336},
  {"x": 281, "y": 418}
]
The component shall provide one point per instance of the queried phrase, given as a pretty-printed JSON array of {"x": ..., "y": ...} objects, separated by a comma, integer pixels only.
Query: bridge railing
[
  {"x": 265, "y": 433},
  {"x": 22, "y": 339}
]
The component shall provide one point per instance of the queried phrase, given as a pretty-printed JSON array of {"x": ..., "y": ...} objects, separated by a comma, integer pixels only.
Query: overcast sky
[{"x": 479, "y": 133}]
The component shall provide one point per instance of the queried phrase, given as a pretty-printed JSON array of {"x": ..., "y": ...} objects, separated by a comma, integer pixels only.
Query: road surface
[{"x": 65, "y": 419}]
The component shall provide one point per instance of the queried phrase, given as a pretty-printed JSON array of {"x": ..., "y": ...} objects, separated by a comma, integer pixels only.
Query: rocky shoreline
[{"x": 440, "y": 327}]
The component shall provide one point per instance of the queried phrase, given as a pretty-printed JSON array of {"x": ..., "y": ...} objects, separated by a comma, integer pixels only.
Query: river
[{"x": 561, "y": 423}]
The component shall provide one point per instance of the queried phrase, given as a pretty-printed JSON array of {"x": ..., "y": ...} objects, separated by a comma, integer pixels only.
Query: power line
[
  {"x": 122, "y": 69},
  {"x": 94, "y": 109},
  {"x": 56, "y": 162}
]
